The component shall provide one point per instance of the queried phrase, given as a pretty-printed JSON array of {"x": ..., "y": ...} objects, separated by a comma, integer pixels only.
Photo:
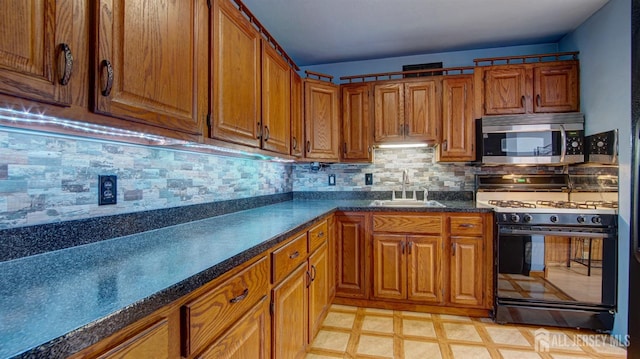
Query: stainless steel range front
[{"x": 555, "y": 258}]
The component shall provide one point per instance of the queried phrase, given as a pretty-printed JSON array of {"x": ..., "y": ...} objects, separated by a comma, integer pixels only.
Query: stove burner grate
[{"x": 511, "y": 204}]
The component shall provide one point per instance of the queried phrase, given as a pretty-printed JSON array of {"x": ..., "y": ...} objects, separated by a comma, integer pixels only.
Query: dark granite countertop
[{"x": 57, "y": 303}]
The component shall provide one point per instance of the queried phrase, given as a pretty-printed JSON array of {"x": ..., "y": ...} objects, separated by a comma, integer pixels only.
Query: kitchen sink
[{"x": 406, "y": 203}]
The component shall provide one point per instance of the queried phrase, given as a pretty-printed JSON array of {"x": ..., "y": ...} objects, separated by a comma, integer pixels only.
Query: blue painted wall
[
  {"x": 604, "y": 42},
  {"x": 448, "y": 59}
]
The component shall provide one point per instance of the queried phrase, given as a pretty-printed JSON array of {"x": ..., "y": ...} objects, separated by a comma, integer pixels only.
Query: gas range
[{"x": 545, "y": 200}]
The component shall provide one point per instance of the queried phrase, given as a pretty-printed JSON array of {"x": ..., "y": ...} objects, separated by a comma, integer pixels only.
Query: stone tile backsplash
[
  {"x": 46, "y": 178},
  {"x": 387, "y": 173}
]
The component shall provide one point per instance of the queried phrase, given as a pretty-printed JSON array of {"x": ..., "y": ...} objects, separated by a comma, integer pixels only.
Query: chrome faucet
[{"x": 405, "y": 181}]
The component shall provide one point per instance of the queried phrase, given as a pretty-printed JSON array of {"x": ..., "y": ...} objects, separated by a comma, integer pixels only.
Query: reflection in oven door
[{"x": 555, "y": 268}]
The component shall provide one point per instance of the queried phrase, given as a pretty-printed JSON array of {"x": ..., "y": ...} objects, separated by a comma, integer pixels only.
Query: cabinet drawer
[
  {"x": 463, "y": 226},
  {"x": 317, "y": 235},
  {"x": 407, "y": 224},
  {"x": 207, "y": 316},
  {"x": 287, "y": 258}
]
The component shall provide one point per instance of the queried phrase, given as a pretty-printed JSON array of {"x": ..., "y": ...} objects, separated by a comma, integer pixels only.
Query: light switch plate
[
  {"x": 368, "y": 179},
  {"x": 332, "y": 180}
]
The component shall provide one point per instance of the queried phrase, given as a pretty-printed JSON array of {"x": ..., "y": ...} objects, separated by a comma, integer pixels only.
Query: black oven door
[{"x": 556, "y": 267}]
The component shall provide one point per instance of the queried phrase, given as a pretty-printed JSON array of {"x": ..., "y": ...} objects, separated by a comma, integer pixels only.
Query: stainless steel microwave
[{"x": 540, "y": 139}]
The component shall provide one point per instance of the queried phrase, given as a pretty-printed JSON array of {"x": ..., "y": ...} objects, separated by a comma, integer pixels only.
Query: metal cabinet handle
[
  {"x": 522, "y": 100},
  {"x": 369, "y": 149},
  {"x": 406, "y": 130},
  {"x": 410, "y": 246},
  {"x": 314, "y": 273},
  {"x": 402, "y": 247},
  {"x": 467, "y": 225},
  {"x": 538, "y": 100},
  {"x": 266, "y": 133},
  {"x": 240, "y": 297},
  {"x": 294, "y": 143},
  {"x": 294, "y": 255},
  {"x": 67, "y": 67},
  {"x": 309, "y": 279},
  {"x": 344, "y": 148},
  {"x": 106, "y": 65},
  {"x": 321, "y": 234},
  {"x": 258, "y": 130},
  {"x": 401, "y": 129},
  {"x": 453, "y": 249},
  {"x": 444, "y": 145},
  {"x": 308, "y": 146}
]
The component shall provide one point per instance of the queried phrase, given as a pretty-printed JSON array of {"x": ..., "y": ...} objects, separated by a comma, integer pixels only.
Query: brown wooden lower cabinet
[
  {"x": 290, "y": 316},
  {"x": 318, "y": 289},
  {"x": 351, "y": 260},
  {"x": 153, "y": 342},
  {"x": 273, "y": 305},
  {"x": 249, "y": 337}
]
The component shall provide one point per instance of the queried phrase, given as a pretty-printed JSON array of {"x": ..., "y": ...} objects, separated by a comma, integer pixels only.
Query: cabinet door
[
  {"x": 33, "y": 36},
  {"x": 235, "y": 77},
  {"x": 290, "y": 316},
  {"x": 331, "y": 257},
  {"x": 350, "y": 256},
  {"x": 248, "y": 338},
  {"x": 505, "y": 90},
  {"x": 356, "y": 123},
  {"x": 152, "y": 342},
  {"x": 297, "y": 116},
  {"x": 458, "y": 135},
  {"x": 556, "y": 88},
  {"x": 276, "y": 101},
  {"x": 389, "y": 267},
  {"x": 422, "y": 115},
  {"x": 318, "y": 289},
  {"x": 424, "y": 269},
  {"x": 389, "y": 113},
  {"x": 466, "y": 271},
  {"x": 152, "y": 62},
  {"x": 321, "y": 120}
]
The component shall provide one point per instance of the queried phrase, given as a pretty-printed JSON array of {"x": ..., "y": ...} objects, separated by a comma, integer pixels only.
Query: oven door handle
[
  {"x": 556, "y": 233},
  {"x": 563, "y": 139}
]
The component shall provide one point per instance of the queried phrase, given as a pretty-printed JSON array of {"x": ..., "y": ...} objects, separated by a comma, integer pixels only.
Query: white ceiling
[{"x": 326, "y": 31}]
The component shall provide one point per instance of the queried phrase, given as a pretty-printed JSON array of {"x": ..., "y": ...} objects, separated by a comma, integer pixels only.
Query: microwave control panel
[{"x": 575, "y": 142}]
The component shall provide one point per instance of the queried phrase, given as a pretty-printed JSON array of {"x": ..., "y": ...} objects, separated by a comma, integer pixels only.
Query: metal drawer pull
[
  {"x": 294, "y": 255},
  {"x": 240, "y": 297},
  {"x": 106, "y": 64},
  {"x": 467, "y": 225},
  {"x": 321, "y": 234},
  {"x": 68, "y": 64}
]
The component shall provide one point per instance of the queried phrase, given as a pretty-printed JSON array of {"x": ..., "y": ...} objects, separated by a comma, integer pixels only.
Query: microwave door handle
[
  {"x": 614, "y": 148},
  {"x": 563, "y": 138}
]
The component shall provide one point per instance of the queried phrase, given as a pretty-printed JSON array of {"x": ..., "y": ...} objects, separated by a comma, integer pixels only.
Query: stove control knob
[
  {"x": 596, "y": 220},
  {"x": 527, "y": 218},
  {"x": 581, "y": 219},
  {"x": 514, "y": 218},
  {"x": 553, "y": 218}
]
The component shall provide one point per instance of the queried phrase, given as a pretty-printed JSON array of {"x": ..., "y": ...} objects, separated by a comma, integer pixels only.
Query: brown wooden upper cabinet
[
  {"x": 36, "y": 61},
  {"x": 356, "y": 123},
  {"x": 531, "y": 88},
  {"x": 297, "y": 115},
  {"x": 407, "y": 111},
  {"x": 151, "y": 62},
  {"x": 322, "y": 120},
  {"x": 458, "y": 124},
  {"x": 276, "y": 101},
  {"x": 236, "y": 74},
  {"x": 251, "y": 82}
]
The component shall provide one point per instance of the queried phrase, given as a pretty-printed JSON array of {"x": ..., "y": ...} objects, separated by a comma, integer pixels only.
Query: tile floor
[{"x": 351, "y": 332}]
